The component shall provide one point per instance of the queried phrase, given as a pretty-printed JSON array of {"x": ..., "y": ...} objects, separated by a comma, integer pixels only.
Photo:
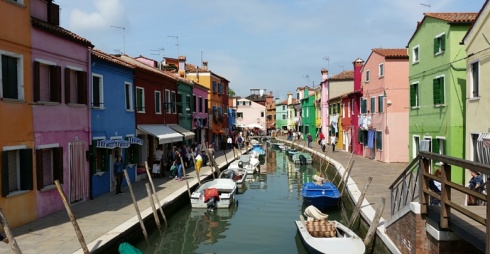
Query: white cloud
[{"x": 106, "y": 13}]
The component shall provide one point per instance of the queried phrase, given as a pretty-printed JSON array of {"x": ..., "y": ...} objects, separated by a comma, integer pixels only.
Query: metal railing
[{"x": 405, "y": 188}]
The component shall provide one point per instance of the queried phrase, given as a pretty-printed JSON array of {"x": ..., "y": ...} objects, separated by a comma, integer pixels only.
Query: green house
[
  {"x": 437, "y": 81},
  {"x": 308, "y": 113}
]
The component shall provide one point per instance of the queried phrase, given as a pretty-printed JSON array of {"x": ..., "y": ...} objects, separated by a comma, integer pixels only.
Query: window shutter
[
  {"x": 413, "y": 96},
  {"x": 365, "y": 137},
  {"x": 373, "y": 105},
  {"x": 435, "y": 145},
  {"x": 56, "y": 83},
  {"x": 443, "y": 42},
  {"x": 5, "y": 174},
  {"x": 26, "y": 177},
  {"x": 39, "y": 169},
  {"x": 359, "y": 136},
  {"x": 436, "y": 45},
  {"x": 380, "y": 104},
  {"x": 379, "y": 140},
  {"x": 436, "y": 87},
  {"x": 82, "y": 87},
  {"x": 58, "y": 164},
  {"x": 36, "y": 84},
  {"x": 67, "y": 85}
]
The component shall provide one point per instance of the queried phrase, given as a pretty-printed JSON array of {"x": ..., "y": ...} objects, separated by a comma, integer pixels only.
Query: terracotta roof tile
[
  {"x": 60, "y": 31},
  {"x": 110, "y": 58},
  {"x": 345, "y": 75},
  {"x": 392, "y": 53},
  {"x": 453, "y": 17}
]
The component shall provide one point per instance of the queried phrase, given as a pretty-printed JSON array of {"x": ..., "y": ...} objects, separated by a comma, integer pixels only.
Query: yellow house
[
  {"x": 335, "y": 120},
  {"x": 318, "y": 109}
]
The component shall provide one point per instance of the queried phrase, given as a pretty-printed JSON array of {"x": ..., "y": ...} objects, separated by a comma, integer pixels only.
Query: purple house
[
  {"x": 60, "y": 61},
  {"x": 200, "y": 113}
]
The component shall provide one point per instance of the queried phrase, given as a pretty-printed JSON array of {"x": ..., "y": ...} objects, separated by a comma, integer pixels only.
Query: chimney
[
  {"x": 182, "y": 60},
  {"x": 358, "y": 63},
  {"x": 290, "y": 98},
  {"x": 205, "y": 65},
  {"x": 270, "y": 93},
  {"x": 324, "y": 74}
]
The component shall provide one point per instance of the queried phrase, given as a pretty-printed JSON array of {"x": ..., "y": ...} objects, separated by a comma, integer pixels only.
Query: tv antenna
[
  {"x": 425, "y": 5},
  {"x": 124, "y": 36},
  {"x": 157, "y": 52},
  {"x": 326, "y": 59},
  {"x": 307, "y": 78},
  {"x": 176, "y": 37}
]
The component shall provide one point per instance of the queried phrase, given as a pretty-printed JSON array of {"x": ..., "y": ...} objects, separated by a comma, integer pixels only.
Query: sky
[{"x": 276, "y": 45}]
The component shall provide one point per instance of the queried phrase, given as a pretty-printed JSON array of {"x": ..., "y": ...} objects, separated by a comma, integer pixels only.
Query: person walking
[
  {"x": 310, "y": 139},
  {"x": 333, "y": 141},
  {"x": 178, "y": 163},
  {"x": 119, "y": 173},
  {"x": 323, "y": 143},
  {"x": 229, "y": 142}
]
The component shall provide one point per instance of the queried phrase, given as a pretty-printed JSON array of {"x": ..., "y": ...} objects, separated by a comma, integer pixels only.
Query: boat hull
[
  {"x": 226, "y": 188},
  {"x": 320, "y": 196}
]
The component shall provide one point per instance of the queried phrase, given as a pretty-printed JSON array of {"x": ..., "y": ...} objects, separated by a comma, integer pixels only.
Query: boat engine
[
  {"x": 240, "y": 164},
  {"x": 211, "y": 204},
  {"x": 302, "y": 159}
]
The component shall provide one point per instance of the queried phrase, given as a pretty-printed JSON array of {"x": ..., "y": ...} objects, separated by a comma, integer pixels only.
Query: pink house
[
  {"x": 384, "y": 106},
  {"x": 60, "y": 62},
  {"x": 200, "y": 114}
]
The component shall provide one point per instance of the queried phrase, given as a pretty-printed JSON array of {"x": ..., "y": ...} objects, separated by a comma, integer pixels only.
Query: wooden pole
[
  {"x": 374, "y": 225},
  {"x": 343, "y": 175},
  {"x": 346, "y": 178},
  {"x": 357, "y": 209},
  {"x": 12, "y": 242},
  {"x": 152, "y": 203},
  {"x": 195, "y": 169},
  {"x": 73, "y": 220},
  {"x": 185, "y": 175},
  {"x": 155, "y": 194},
  {"x": 213, "y": 162},
  {"x": 136, "y": 207},
  {"x": 226, "y": 159}
]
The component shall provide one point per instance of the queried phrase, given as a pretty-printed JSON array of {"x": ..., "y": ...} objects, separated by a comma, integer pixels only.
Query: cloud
[{"x": 106, "y": 13}]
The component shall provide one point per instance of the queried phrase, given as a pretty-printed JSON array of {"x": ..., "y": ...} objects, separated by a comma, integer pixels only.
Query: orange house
[{"x": 18, "y": 199}]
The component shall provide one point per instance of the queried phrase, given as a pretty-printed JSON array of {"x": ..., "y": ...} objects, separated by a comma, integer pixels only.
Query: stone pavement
[{"x": 103, "y": 218}]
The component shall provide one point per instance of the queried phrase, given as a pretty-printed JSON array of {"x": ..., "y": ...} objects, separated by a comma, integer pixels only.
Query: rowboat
[
  {"x": 239, "y": 175},
  {"x": 216, "y": 193},
  {"x": 320, "y": 195}
]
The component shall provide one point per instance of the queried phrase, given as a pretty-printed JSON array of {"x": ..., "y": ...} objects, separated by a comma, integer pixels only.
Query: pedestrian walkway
[{"x": 103, "y": 218}]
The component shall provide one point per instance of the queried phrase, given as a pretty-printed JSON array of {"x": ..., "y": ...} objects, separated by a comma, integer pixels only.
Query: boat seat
[{"x": 245, "y": 158}]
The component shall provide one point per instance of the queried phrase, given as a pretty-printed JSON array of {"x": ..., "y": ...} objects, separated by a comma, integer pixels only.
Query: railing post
[
  {"x": 445, "y": 196},
  {"x": 424, "y": 167}
]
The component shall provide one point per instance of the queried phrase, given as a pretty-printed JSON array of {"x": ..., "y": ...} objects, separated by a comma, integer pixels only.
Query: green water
[{"x": 263, "y": 221}]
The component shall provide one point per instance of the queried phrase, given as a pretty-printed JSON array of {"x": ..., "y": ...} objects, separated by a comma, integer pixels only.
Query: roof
[
  {"x": 110, "y": 58},
  {"x": 345, "y": 75},
  {"x": 191, "y": 68},
  {"x": 476, "y": 20},
  {"x": 285, "y": 102},
  {"x": 392, "y": 53},
  {"x": 60, "y": 31},
  {"x": 449, "y": 17},
  {"x": 141, "y": 65}
]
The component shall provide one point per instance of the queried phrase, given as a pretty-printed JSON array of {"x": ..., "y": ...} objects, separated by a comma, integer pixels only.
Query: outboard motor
[
  {"x": 240, "y": 164},
  {"x": 302, "y": 159},
  {"x": 211, "y": 204}
]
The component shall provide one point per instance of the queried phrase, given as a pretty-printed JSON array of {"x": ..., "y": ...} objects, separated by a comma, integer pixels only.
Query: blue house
[{"x": 113, "y": 122}]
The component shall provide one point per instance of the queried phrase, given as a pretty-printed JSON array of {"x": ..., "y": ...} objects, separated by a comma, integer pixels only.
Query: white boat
[
  {"x": 330, "y": 236},
  {"x": 216, "y": 193},
  {"x": 236, "y": 174},
  {"x": 249, "y": 162}
]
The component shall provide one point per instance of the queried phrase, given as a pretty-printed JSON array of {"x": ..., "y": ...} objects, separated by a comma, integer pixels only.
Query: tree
[{"x": 231, "y": 93}]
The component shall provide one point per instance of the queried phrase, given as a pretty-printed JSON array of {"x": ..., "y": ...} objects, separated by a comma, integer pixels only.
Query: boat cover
[{"x": 209, "y": 193}]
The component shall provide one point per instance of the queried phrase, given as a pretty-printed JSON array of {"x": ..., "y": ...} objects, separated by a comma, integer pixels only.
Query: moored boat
[
  {"x": 236, "y": 174},
  {"x": 249, "y": 162},
  {"x": 216, "y": 193},
  {"x": 302, "y": 158},
  {"x": 320, "y": 195}
]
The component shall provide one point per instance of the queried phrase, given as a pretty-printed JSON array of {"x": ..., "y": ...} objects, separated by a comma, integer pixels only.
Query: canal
[{"x": 261, "y": 222}]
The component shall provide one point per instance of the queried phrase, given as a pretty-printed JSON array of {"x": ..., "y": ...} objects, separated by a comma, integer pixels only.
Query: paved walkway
[{"x": 102, "y": 218}]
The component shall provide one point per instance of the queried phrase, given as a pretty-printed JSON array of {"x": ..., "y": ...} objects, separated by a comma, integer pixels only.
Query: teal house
[
  {"x": 437, "y": 81},
  {"x": 185, "y": 106},
  {"x": 308, "y": 113},
  {"x": 282, "y": 115}
]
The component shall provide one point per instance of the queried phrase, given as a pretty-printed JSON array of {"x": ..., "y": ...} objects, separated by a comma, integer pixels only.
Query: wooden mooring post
[
  {"x": 213, "y": 162},
  {"x": 155, "y": 193},
  {"x": 73, "y": 220},
  {"x": 374, "y": 225},
  {"x": 346, "y": 178},
  {"x": 185, "y": 175},
  {"x": 152, "y": 203},
  {"x": 195, "y": 169},
  {"x": 13, "y": 244},
  {"x": 357, "y": 209},
  {"x": 135, "y": 203}
]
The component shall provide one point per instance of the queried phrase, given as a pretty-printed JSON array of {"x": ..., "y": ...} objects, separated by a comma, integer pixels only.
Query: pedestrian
[
  {"x": 321, "y": 138},
  {"x": 299, "y": 135},
  {"x": 324, "y": 144},
  {"x": 157, "y": 161},
  {"x": 229, "y": 142},
  {"x": 310, "y": 139},
  {"x": 476, "y": 183},
  {"x": 198, "y": 163},
  {"x": 119, "y": 173},
  {"x": 178, "y": 164},
  {"x": 333, "y": 139}
]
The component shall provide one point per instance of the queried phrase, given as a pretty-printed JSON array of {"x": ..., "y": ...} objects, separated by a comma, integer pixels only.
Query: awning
[
  {"x": 187, "y": 133},
  {"x": 135, "y": 140},
  {"x": 164, "y": 133},
  {"x": 121, "y": 143},
  {"x": 104, "y": 143},
  {"x": 482, "y": 149}
]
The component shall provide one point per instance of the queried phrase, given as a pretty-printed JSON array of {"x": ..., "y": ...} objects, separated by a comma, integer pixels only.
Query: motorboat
[
  {"x": 216, "y": 193},
  {"x": 319, "y": 235},
  {"x": 239, "y": 175},
  {"x": 321, "y": 195},
  {"x": 302, "y": 158},
  {"x": 249, "y": 162}
]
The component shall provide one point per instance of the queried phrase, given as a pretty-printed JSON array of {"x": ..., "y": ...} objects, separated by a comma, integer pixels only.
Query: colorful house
[
  {"x": 324, "y": 103},
  {"x": 318, "y": 109},
  {"x": 184, "y": 103},
  {"x": 385, "y": 96},
  {"x": 16, "y": 111},
  {"x": 350, "y": 122},
  {"x": 437, "y": 86},
  {"x": 270, "y": 105},
  {"x": 338, "y": 87},
  {"x": 249, "y": 112},
  {"x": 200, "y": 113},
  {"x": 60, "y": 71},
  {"x": 281, "y": 115},
  {"x": 477, "y": 89},
  {"x": 112, "y": 121},
  {"x": 308, "y": 116}
]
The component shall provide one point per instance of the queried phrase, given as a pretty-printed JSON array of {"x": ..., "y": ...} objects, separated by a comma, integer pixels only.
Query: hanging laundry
[{"x": 371, "y": 139}]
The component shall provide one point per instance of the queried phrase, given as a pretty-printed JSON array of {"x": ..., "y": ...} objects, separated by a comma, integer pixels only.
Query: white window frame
[
  {"x": 352, "y": 107},
  {"x": 439, "y": 36},
  {"x": 168, "y": 103},
  {"x": 415, "y": 145},
  {"x": 20, "y": 75},
  {"x": 128, "y": 93},
  {"x": 368, "y": 76},
  {"x": 416, "y": 54},
  {"x": 348, "y": 110},
  {"x": 472, "y": 80},
  {"x": 417, "y": 100},
  {"x": 443, "y": 87},
  {"x": 158, "y": 104},
  {"x": 381, "y": 70},
  {"x": 174, "y": 102},
  {"x": 143, "y": 109},
  {"x": 101, "y": 91}
]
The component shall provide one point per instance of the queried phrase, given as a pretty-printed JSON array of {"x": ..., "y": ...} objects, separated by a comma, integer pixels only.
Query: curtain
[{"x": 78, "y": 171}]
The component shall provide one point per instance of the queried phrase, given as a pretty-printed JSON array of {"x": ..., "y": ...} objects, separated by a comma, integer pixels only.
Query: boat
[
  {"x": 302, "y": 158},
  {"x": 216, "y": 193},
  {"x": 319, "y": 235},
  {"x": 249, "y": 162},
  {"x": 239, "y": 175},
  {"x": 320, "y": 195},
  {"x": 292, "y": 152}
]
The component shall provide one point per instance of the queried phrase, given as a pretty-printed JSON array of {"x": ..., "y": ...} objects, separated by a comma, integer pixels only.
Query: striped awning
[
  {"x": 482, "y": 148},
  {"x": 135, "y": 140},
  {"x": 424, "y": 145},
  {"x": 121, "y": 143},
  {"x": 104, "y": 143}
]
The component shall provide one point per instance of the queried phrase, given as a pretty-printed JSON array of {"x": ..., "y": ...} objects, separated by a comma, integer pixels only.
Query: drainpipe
[{"x": 89, "y": 79}]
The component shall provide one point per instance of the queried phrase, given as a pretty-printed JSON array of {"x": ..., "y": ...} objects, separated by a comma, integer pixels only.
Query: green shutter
[
  {"x": 380, "y": 104},
  {"x": 436, "y": 89},
  {"x": 5, "y": 173},
  {"x": 435, "y": 145},
  {"x": 379, "y": 140},
  {"x": 365, "y": 137},
  {"x": 26, "y": 169},
  {"x": 359, "y": 136},
  {"x": 338, "y": 108},
  {"x": 413, "y": 96},
  {"x": 436, "y": 45},
  {"x": 373, "y": 104},
  {"x": 443, "y": 42}
]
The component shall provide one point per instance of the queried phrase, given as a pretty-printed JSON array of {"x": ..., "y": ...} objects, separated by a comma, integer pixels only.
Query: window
[
  {"x": 206, "y": 108},
  {"x": 11, "y": 79},
  {"x": 297, "y": 95},
  {"x": 379, "y": 140},
  {"x": 173, "y": 99},
  {"x": 352, "y": 105},
  {"x": 188, "y": 104},
  {"x": 101, "y": 159},
  {"x": 363, "y": 106},
  {"x": 194, "y": 103},
  {"x": 348, "y": 109},
  {"x": 200, "y": 104},
  {"x": 284, "y": 116},
  {"x": 284, "y": 107},
  {"x": 49, "y": 166},
  {"x": 47, "y": 82},
  {"x": 158, "y": 102},
  {"x": 128, "y": 92},
  {"x": 16, "y": 170},
  {"x": 414, "y": 95},
  {"x": 475, "y": 79},
  {"x": 415, "y": 54},
  {"x": 343, "y": 109},
  {"x": 168, "y": 102},
  {"x": 381, "y": 70},
  {"x": 239, "y": 114},
  {"x": 438, "y": 147},
  {"x": 214, "y": 86},
  {"x": 261, "y": 114},
  {"x": 438, "y": 90},
  {"x": 415, "y": 146},
  {"x": 97, "y": 91},
  {"x": 140, "y": 100},
  {"x": 380, "y": 103},
  {"x": 180, "y": 103},
  {"x": 373, "y": 104},
  {"x": 367, "y": 75},
  {"x": 75, "y": 86},
  {"x": 439, "y": 44},
  {"x": 219, "y": 88}
]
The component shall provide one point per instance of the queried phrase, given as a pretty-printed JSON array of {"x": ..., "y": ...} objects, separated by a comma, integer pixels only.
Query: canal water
[{"x": 262, "y": 221}]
